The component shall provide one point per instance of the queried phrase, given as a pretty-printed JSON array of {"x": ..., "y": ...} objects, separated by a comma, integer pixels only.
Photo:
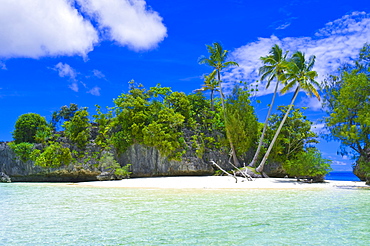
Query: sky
[{"x": 53, "y": 53}]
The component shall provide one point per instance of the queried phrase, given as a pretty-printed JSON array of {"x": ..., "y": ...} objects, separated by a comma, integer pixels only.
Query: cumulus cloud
[
  {"x": 65, "y": 70},
  {"x": 129, "y": 23},
  {"x": 336, "y": 43},
  {"x": 94, "y": 91},
  {"x": 38, "y": 28}
]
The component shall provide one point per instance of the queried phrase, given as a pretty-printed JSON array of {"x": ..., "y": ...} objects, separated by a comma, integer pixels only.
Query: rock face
[
  {"x": 20, "y": 171},
  {"x": 359, "y": 173},
  {"x": 4, "y": 178},
  {"x": 274, "y": 170},
  {"x": 147, "y": 162}
]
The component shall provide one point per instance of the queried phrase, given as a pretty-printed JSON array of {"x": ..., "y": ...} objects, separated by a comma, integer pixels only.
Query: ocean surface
[
  {"x": 342, "y": 176},
  {"x": 62, "y": 214}
]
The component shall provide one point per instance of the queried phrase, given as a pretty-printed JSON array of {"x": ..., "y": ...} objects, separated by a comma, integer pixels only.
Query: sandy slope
[{"x": 223, "y": 182}]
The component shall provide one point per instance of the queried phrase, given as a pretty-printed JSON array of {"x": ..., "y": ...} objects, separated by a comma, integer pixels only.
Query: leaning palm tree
[
  {"x": 275, "y": 65},
  {"x": 217, "y": 60},
  {"x": 299, "y": 73}
]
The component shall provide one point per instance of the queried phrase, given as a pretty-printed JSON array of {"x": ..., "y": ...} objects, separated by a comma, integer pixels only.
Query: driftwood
[
  {"x": 245, "y": 174},
  {"x": 228, "y": 174}
]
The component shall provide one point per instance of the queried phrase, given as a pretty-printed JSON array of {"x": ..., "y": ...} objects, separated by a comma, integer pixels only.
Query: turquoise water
[{"x": 52, "y": 214}]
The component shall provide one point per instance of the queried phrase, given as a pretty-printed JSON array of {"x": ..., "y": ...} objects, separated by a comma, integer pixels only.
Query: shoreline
[{"x": 220, "y": 182}]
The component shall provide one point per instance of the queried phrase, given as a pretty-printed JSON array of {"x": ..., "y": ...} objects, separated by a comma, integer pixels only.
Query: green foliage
[
  {"x": 43, "y": 134},
  {"x": 78, "y": 128},
  {"x": 142, "y": 118},
  {"x": 293, "y": 138},
  {"x": 53, "y": 156},
  {"x": 123, "y": 172},
  {"x": 308, "y": 163},
  {"x": 22, "y": 150},
  {"x": 107, "y": 161},
  {"x": 27, "y": 126},
  {"x": 241, "y": 120},
  {"x": 103, "y": 121},
  {"x": 65, "y": 113},
  {"x": 347, "y": 103}
]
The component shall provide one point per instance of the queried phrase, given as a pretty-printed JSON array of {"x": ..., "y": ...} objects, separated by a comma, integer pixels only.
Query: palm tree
[
  {"x": 275, "y": 65},
  {"x": 209, "y": 84},
  {"x": 217, "y": 60},
  {"x": 299, "y": 73}
]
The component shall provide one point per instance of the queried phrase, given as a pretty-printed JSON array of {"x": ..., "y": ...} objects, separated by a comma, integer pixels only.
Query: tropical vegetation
[{"x": 179, "y": 124}]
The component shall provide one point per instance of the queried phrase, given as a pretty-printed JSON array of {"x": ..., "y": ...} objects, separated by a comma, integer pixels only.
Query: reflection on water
[{"x": 49, "y": 214}]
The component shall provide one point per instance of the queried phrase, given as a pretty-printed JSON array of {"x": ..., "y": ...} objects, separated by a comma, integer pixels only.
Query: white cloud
[
  {"x": 339, "y": 163},
  {"x": 318, "y": 128},
  {"x": 74, "y": 86},
  {"x": 65, "y": 70},
  {"x": 98, "y": 74},
  {"x": 39, "y": 28},
  {"x": 129, "y": 23},
  {"x": 337, "y": 43},
  {"x": 283, "y": 26},
  {"x": 2, "y": 66},
  {"x": 36, "y": 28},
  {"x": 95, "y": 91}
]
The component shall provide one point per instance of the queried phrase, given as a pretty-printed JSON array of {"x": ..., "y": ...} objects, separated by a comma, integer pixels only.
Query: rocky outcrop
[
  {"x": 274, "y": 170},
  {"x": 4, "y": 178},
  {"x": 147, "y": 162},
  {"x": 20, "y": 171},
  {"x": 360, "y": 173}
]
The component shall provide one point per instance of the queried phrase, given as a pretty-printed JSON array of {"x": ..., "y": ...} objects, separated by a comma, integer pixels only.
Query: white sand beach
[{"x": 221, "y": 182}]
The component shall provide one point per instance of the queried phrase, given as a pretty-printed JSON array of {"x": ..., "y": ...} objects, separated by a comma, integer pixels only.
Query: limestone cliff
[{"x": 145, "y": 162}]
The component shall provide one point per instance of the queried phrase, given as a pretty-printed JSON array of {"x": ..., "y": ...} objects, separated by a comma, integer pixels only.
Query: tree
[
  {"x": 348, "y": 105},
  {"x": 242, "y": 120},
  {"x": 65, "y": 113},
  {"x": 210, "y": 84},
  {"x": 78, "y": 128},
  {"x": 299, "y": 73},
  {"x": 294, "y": 137},
  {"x": 308, "y": 163},
  {"x": 26, "y": 127},
  {"x": 217, "y": 60},
  {"x": 53, "y": 156},
  {"x": 275, "y": 65}
]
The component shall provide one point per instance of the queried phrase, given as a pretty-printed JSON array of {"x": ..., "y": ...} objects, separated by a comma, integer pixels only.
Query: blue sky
[{"x": 53, "y": 53}]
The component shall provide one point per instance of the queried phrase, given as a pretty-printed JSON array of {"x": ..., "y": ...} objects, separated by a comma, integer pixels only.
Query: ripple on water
[{"x": 45, "y": 214}]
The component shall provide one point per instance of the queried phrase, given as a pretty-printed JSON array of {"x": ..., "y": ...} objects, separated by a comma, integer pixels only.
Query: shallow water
[{"x": 57, "y": 214}]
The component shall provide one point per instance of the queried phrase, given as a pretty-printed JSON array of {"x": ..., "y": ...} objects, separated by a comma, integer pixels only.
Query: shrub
[
  {"x": 308, "y": 163},
  {"x": 22, "y": 150},
  {"x": 54, "y": 155},
  {"x": 26, "y": 127}
]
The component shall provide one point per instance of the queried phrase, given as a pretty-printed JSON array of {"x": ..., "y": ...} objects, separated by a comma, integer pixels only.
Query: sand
[{"x": 221, "y": 182}]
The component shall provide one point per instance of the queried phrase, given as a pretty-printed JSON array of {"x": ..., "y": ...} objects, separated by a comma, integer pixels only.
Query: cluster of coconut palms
[{"x": 289, "y": 73}]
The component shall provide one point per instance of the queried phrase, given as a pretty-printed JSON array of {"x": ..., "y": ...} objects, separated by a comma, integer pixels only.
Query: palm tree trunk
[
  {"x": 264, "y": 127},
  {"x": 262, "y": 164},
  {"x": 235, "y": 159},
  {"x": 212, "y": 107}
]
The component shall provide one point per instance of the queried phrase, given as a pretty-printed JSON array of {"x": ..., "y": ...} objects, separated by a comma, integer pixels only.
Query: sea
[
  {"x": 66, "y": 214},
  {"x": 342, "y": 176}
]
